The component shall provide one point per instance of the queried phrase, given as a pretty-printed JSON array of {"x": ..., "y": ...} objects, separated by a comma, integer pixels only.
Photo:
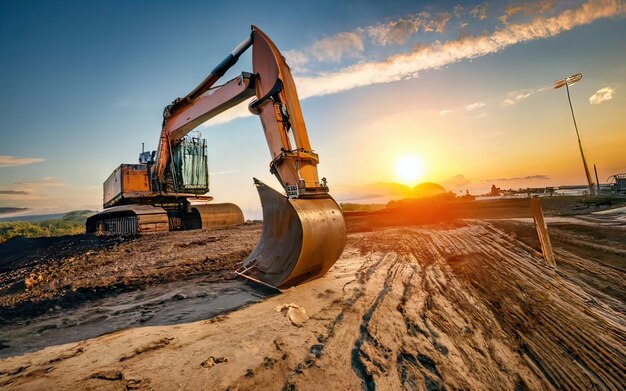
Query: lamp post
[{"x": 568, "y": 81}]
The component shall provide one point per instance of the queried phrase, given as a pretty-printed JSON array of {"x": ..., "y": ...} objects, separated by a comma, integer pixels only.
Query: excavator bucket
[{"x": 301, "y": 239}]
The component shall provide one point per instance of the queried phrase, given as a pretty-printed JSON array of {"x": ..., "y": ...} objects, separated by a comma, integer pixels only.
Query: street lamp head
[{"x": 568, "y": 80}]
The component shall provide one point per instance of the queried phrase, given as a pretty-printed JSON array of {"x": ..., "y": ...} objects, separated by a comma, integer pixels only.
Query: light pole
[{"x": 568, "y": 81}]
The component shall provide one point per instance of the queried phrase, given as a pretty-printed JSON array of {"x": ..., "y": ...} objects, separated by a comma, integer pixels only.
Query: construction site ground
[{"x": 454, "y": 303}]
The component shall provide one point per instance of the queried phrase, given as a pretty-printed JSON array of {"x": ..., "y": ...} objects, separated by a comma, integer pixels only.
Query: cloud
[
  {"x": 469, "y": 107},
  {"x": 474, "y": 106},
  {"x": 331, "y": 49},
  {"x": 480, "y": 11},
  {"x": 396, "y": 32},
  {"x": 11, "y": 209},
  {"x": 351, "y": 44},
  {"x": 529, "y": 177},
  {"x": 602, "y": 95},
  {"x": 399, "y": 31},
  {"x": 528, "y": 8},
  {"x": 33, "y": 190},
  {"x": 516, "y": 96},
  {"x": 47, "y": 181},
  {"x": 224, "y": 172},
  {"x": 408, "y": 65},
  {"x": 12, "y": 161},
  {"x": 338, "y": 46}
]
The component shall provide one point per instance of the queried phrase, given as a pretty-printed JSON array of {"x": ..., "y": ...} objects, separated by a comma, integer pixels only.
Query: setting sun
[{"x": 409, "y": 169}]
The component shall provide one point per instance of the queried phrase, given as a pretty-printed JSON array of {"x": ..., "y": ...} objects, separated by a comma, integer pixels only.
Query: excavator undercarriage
[{"x": 304, "y": 232}]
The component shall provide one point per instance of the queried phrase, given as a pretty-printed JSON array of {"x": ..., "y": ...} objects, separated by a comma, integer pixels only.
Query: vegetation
[
  {"x": 71, "y": 224},
  {"x": 353, "y": 207}
]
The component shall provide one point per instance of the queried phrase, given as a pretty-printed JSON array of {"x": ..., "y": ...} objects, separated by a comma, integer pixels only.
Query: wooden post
[{"x": 542, "y": 231}]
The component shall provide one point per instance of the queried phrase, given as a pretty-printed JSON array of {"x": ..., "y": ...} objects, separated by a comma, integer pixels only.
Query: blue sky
[{"x": 461, "y": 85}]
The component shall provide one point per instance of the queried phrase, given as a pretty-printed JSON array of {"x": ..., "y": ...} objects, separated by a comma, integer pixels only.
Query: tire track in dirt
[
  {"x": 359, "y": 356},
  {"x": 456, "y": 306},
  {"x": 491, "y": 300}
]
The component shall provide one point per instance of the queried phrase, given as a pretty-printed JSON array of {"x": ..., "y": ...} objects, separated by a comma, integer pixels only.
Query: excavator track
[
  {"x": 138, "y": 219},
  {"x": 301, "y": 239}
]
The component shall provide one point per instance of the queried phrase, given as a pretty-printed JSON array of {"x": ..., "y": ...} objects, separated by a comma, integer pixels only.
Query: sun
[{"x": 409, "y": 169}]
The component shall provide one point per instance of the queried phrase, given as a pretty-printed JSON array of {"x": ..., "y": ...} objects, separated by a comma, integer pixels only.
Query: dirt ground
[{"x": 461, "y": 304}]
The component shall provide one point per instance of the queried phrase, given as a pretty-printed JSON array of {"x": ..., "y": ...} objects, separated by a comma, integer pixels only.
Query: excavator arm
[
  {"x": 303, "y": 231},
  {"x": 277, "y": 104}
]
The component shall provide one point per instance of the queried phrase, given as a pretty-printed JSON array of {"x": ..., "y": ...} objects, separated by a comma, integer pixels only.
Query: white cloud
[
  {"x": 296, "y": 59},
  {"x": 602, "y": 95},
  {"x": 345, "y": 44},
  {"x": 331, "y": 49},
  {"x": 474, "y": 106},
  {"x": 224, "y": 172},
  {"x": 12, "y": 161},
  {"x": 516, "y": 96},
  {"x": 399, "y": 66},
  {"x": 350, "y": 44},
  {"x": 469, "y": 107}
]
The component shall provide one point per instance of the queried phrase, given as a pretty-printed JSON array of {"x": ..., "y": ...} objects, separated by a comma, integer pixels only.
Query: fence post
[{"x": 542, "y": 231}]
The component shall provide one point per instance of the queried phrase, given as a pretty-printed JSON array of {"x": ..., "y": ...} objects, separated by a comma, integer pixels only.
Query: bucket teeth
[{"x": 301, "y": 239}]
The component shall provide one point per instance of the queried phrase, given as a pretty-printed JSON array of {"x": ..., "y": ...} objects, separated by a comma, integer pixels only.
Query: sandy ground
[{"x": 459, "y": 305}]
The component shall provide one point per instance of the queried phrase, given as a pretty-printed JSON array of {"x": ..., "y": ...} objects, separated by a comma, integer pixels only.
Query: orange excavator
[{"x": 304, "y": 232}]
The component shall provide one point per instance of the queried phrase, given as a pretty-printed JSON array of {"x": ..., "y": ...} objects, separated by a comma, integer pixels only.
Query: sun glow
[{"x": 409, "y": 169}]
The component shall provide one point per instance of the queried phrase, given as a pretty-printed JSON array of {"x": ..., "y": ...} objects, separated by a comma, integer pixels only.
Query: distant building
[{"x": 495, "y": 191}]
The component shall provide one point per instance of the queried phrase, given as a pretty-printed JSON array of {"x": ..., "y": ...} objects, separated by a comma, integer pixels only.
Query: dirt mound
[{"x": 46, "y": 273}]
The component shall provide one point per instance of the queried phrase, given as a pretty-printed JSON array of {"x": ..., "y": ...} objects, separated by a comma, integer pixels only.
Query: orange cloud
[{"x": 12, "y": 161}]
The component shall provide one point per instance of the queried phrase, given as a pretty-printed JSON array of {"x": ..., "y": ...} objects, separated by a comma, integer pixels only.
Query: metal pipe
[{"x": 580, "y": 146}]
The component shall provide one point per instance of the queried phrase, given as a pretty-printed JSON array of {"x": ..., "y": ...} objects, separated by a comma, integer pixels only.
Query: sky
[{"x": 462, "y": 87}]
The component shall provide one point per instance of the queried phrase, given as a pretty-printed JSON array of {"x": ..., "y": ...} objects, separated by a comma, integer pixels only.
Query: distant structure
[
  {"x": 495, "y": 191},
  {"x": 618, "y": 182}
]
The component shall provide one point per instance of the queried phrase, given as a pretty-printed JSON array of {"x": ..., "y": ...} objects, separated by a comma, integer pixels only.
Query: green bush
[{"x": 71, "y": 224}]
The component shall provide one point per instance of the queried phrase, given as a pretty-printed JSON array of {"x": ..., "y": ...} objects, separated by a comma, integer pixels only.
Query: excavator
[{"x": 303, "y": 232}]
